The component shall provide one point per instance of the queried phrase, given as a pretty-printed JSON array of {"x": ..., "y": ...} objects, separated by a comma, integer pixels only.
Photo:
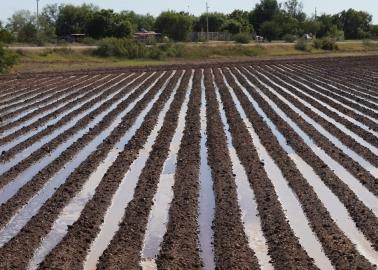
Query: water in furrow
[
  {"x": 246, "y": 198},
  {"x": 124, "y": 194},
  {"x": 289, "y": 201},
  {"x": 206, "y": 194},
  {"x": 158, "y": 217},
  {"x": 24, "y": 214}
]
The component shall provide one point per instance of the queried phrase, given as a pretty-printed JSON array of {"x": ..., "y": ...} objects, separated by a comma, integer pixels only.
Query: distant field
[{"x": 266, "y": 164}]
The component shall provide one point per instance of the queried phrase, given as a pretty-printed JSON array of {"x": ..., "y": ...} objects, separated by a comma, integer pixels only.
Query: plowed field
[{"x": 262, "y": 165}]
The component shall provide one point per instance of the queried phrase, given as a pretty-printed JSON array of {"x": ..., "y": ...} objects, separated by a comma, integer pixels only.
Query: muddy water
[
  {"x": 369, "y": 199},
  {"x": 340, "y": 126},
  {"x": 352, "y": 120},
  {"x": 37, "y": 117},
  {"x": 246, "y": 198},
  {"x": 124, "y": 194},
  {"x": 12, "y": 188},
  {"x": 72, "y": 211},
  {"x": 283, "y": 68},
  {"x": 26, "y": 152},
  {"x": 289, "y": 201},
  {"x": 158, "y": 218},
  {"x": 31, "y": 208},
  {"x": 364, "y": 163},
  {"x": 336, "y": 209},
  {"x": 206, "y": 194}
]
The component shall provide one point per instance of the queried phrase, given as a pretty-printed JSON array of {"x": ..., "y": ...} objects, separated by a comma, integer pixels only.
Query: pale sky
[{"x": 8, "y": 7}]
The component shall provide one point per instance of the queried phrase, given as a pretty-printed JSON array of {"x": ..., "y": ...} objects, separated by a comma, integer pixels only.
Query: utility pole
[
  {"x": 207, "y": 21},
  {"x": 37, "y": 14}
]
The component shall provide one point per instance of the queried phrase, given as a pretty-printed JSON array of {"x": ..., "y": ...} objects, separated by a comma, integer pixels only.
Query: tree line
[{"x": 268, "y": 18}]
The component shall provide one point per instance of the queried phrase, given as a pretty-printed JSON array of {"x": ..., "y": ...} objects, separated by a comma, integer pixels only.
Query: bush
[
  {"x": 317, "y": 43},
  {"x": 7, "y": 59},
  {"x": 121, "y": 47},
  {"x": 89, "y": 41},
  {"x": 328, "y": 44},
  {"x": 290, "y": 38},
  {"x": 303, "y": 45},
  {"x": 243, "y": 38},
  {"x": 165, "y": 50}
]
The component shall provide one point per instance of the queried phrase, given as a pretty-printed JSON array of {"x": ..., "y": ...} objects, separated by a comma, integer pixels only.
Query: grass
[{"x": 74, "y": 59}]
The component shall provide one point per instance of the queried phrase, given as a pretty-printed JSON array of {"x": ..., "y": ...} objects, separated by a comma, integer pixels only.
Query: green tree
[
  {"x": 294, "y": 9},
  {"x": 23, "y": 25},
  {"x": 232, "y": 26},
  {"x": 100, "y": 23},
  {"x": 73, "y": 19},
  {"x": 241, "y": 16},
  {"x": 5, "y": 35},
  {"x": 174, "y": 25},
  {"x": 270, "y": 30},
  {"x": 216, "y": 22},
  {"x": 263, "y": 12},
  {"x": 122, "y": 28},
  {"x": 47, "y": 22},
  {"x": 355, "y": 23}
]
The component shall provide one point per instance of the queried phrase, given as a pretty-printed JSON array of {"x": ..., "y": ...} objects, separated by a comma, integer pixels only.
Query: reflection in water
[
  {"x": 158, "y": 218},
  {"x": 288, "y": 199},
  {"x": 246, "y": 199}
]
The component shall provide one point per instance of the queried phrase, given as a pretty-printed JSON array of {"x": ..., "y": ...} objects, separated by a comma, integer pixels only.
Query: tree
[
  {"x": 232, "y": 26},
  {"x": 241, "y": 16},
  {"x": 5, "y": 35},
  {"x": 73, "y": 19},
  {"x": 264, "y": 11},
  {"x": 122, "y": 28},
  {"x": 174, "y": 25},
  {"x": 216, "y": 22},
  {"x": 47, "y": 21},
  {"x": 373, "y": 29},
  {"x": 355, "y": 23},
  {"x": 270, "y": 30},
  {"x": 100, "y": 23},
  {"x": 23, "y": 25},
  {"x": 294, "y": 9}
]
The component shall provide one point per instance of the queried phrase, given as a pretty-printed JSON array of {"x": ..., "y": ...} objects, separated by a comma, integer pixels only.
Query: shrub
[
  {"x": 317, "y": 43},
  {"x": 243, "y": 38},
  {"x": 329, "y": 44},
  {"x": 121, "y": 47},
  {"x": 303, "y": 45},
  {"x": 326, "y": 43},
  {"x": 7, "y": 59},
  {"x": 89, "y": 41},
  {"x": 290, "y": 38}
]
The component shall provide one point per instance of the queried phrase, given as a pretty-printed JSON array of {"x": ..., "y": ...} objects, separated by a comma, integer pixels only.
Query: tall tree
[
  {"x": 355, "y": 23},
  {"x": 174, "y": 25},
  {"x": 264, "y": 11}
]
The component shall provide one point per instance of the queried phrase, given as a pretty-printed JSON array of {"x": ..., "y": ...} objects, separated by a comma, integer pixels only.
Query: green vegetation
[
  {"x": 120, "y": 47},
  {"x": 303, "y": 45},
  {"x": 7, "y": 59},
  {"x": 274, "y": 21},
  {"x": 243, "y": 38}
]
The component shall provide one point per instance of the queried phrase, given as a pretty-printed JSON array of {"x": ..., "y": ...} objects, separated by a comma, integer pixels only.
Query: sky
[{"x": 154, "y": 7}]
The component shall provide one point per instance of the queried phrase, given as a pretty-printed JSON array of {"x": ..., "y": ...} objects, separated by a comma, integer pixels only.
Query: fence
[{"x": 214, "y": 36}]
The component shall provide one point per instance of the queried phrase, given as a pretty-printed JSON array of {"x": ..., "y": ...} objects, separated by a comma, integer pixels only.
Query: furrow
[
  {"x": 40, "y": 223},
  {"x": 337, "y": 246},
  {"x": 364, "y": 217}
]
